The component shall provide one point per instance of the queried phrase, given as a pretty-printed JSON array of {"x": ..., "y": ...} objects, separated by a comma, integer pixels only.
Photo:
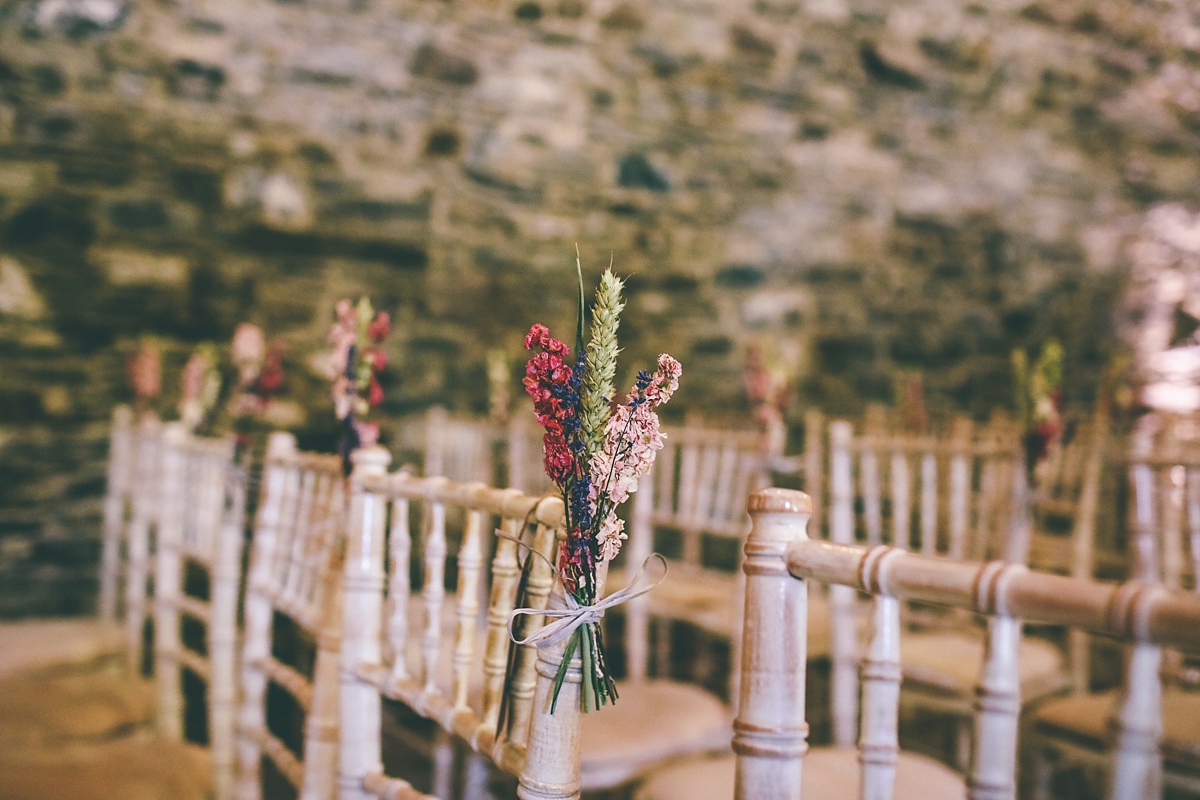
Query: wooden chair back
[
  {"x": 1164, "y": 474},
  {"x": 117, "y": 497},
  {"x": 460, "y": 449},
  {"x": 770, "y": 731},
  {"x": 201, "y": 520},
  {"x": 963, "y": 487},
  {"x": 541, "y": 748},
  {"x": 293, "y": 580},
  {"x": 695, "y": 488}
]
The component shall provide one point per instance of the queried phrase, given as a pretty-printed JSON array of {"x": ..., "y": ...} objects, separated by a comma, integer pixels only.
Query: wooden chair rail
[
  {"x": 278, "y": 752},
  {"x": 1130, "y": 610},
  {"x": 912, "y": 446},
  {"x": 295, "y": 683},
  {"x": 508, "y": 503},
  {"x": 431, "y": 704},
  {"x": 386, "y": 788},
  {"x": 195, "y": 662},
  {"x": 198, "y": 609}
]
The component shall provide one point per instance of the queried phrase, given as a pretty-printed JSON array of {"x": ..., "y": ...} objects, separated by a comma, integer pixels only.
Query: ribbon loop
[{"x": 567, "y": 620}]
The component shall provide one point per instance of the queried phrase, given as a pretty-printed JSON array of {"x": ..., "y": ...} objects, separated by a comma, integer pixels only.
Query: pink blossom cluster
[
  {"x": 632, "y": 439},
  {"x": 342, "y": 336}
]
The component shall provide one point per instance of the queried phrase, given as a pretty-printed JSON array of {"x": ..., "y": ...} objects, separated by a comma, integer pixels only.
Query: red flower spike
[{"x": 374, "y": 392}]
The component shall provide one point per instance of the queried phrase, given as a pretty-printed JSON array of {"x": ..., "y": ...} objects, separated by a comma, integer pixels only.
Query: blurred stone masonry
[{"x": 881, "y": 188}]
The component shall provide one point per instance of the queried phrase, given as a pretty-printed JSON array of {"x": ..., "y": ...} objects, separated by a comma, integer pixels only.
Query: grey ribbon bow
[{"x": 566, "y": 620}]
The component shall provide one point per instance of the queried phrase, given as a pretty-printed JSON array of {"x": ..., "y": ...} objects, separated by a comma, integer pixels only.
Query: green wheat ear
[{"x": 601, "y": 368}]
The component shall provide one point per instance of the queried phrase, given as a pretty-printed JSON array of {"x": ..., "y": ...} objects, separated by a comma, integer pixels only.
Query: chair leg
[
  {"x": 1043, "y": 775},
  {"x": 443, "y": 763},
  {"x": 662, "y": 648},
  {"x": 964, "y": 734},
  {"x": 475, "y": 784}
]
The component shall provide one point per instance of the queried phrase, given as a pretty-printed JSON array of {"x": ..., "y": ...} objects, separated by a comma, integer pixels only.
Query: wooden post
[
  {"x": 638, "y": 549},
  {"x": 878, "y": 745},
  {"x": 436, "y": 420},
  {"x": 145, "y": 499},
  {"x": 960, "y": 488},
  {"x": 1083, "y": 541},
  {"x": 525, "y": 680},
  {"x": 361, "y": 706},
  {"x": 842, "y": 599},
  {"x": 929, "y": 503},
  {"x": 901, "y": 501},
  {"x": 1137, "y": 723},
  {"x": 222, "y": 632},
  {"x": 814, "y": 463},
  {"x": 998, "y": 694},
  {"x": 120, "y": 465},
  {"x": 322, "y": 725},
  {"x": 770, "y": 734},
  {"x": 551, "y": 770},
  {"x": 257, "y": 614},
  {"x": 168, "y": 588}
]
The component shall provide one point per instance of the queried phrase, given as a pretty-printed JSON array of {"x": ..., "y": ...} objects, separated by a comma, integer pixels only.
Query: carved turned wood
[
  {"x": 201, "y": 517},
  {"x": 435, "y": 678},
  {"x": 294, "y": 571},
  {"x": 1164, "y": 478},
  {"x": 770, "y": 732}
]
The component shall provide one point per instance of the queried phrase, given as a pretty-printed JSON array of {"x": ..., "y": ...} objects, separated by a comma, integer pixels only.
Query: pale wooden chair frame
[
  {"x": 770, "y": 732},
  {"x": 294, "y": 570},
  {"x": 201, "y": 519},
  {"x": 1158, "y": 513},
  {"x": 117, "y": 499},
  {"x": 540, "y": 748},
  {"x": 143, "y": 521},
  {"x": 992, "y": 520}
]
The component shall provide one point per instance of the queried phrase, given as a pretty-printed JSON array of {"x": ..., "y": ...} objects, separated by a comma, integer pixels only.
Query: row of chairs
[{"x": 303, "y": 512}]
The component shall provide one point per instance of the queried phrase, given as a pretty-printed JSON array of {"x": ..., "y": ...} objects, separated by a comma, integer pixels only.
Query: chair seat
[
  {"x": 950, "y": 662},
  {"x": 651, "y": 721},
  {"x": 124, "y": 769},
  {"x": 707, "y": 599},
  {"x": 43, "y": 643},
  {"x": 1084, "y": 719},
  {"x": 830, "y": 773},
  {"x": 51, "y": 709}
]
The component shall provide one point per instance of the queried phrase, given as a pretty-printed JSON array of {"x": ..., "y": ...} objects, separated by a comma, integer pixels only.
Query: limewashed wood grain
[
  {"x": 433, "y": 676},
  {"x": 770, "y": 732},
  {"x": 293, "y": 570}
]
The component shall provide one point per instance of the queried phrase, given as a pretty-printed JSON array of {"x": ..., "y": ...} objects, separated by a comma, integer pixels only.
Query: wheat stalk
[{"x": 602, "y": 353}]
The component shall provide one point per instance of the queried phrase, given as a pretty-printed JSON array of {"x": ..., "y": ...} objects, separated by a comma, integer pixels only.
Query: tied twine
[{"x": 567, "y": 620}]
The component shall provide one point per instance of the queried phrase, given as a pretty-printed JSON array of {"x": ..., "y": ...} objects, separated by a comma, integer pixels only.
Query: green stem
[
  {"x": 561, "y": 675},
  {"x": 587, "y": 688}
]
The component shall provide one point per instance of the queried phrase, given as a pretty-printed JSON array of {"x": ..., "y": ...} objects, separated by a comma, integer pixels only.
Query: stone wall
[{"x": 878, "y": 189}]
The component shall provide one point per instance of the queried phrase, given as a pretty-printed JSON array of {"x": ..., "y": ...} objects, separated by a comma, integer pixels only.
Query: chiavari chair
[
  {"x": 287, "y": 722},
  {"x": 1164, "y": 479},
  {"x": 198, "y": 558},
  {"x": 458, "y": 684},
  {"x": 194, "y": 504},
  {"x": 772, "y": 757},
  {"x": 962, "y": 497}
]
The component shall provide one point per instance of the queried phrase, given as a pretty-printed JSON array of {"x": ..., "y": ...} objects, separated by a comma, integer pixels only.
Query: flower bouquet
[
  {"x": 353, "y": 367},
  {"x": 1038, "y": 396},
  {"x": 201, "y": 388},
  {"x": 595, "y": 454}
]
